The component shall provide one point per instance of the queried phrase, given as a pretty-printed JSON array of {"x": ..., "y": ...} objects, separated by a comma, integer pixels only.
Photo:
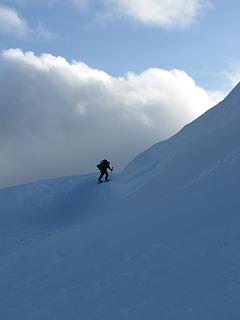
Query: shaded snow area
[{"x": 160, "y": 241}]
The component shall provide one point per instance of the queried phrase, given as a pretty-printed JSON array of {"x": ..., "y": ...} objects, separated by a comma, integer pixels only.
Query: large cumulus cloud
[{"x": 59, "y": 118}]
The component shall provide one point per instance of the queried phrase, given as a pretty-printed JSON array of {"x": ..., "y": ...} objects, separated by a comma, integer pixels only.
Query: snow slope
[{"x": 161, "y": 241}]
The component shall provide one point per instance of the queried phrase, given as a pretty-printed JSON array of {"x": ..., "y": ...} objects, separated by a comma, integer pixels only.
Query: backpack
[{"x": 103, "y": 165}]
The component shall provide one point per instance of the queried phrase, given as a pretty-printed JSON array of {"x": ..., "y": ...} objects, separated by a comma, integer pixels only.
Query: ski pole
[{"x": 111, "y": 173}]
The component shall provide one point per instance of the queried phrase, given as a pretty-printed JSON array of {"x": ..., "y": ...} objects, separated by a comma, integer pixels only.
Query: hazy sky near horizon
[{"x": 86, "y": 79}]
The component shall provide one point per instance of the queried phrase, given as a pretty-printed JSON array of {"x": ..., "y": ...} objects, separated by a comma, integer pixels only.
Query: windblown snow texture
[{"x": 161, "y": 241}]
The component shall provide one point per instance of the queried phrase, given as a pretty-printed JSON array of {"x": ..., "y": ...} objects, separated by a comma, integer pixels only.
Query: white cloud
[
  {"x": 59, "y": 118},
  {"x": 11, "y": 22},
  {"x": 160, "y": 12},
  {"x": 163, "y": 13}
]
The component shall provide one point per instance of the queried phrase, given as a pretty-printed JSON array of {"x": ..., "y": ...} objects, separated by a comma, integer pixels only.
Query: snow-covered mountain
[{"x": 161, "y": 241}]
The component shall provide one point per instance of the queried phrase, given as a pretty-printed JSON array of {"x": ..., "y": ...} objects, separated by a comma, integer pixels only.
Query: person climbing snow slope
[{"x": 103, "y": 166}]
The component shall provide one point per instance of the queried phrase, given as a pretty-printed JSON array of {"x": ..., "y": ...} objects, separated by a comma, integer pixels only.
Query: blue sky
[
  {"x": 205, "y": 48},
  {"x": 82, "y": 80}
]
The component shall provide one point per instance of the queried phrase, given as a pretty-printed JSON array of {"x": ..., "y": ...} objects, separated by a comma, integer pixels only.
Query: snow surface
[{"x": 160, "y": 241}]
